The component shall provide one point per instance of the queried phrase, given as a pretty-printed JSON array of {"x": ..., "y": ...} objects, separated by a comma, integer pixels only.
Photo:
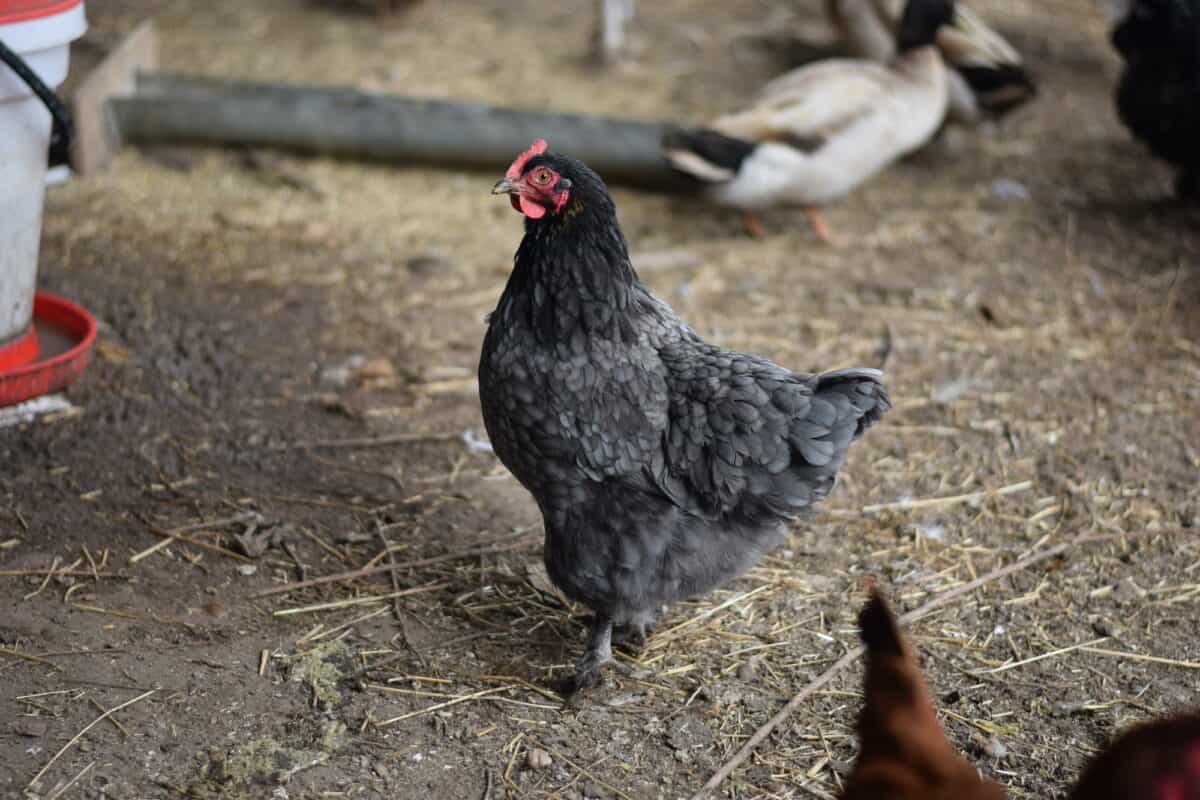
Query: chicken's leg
[{"x": 599, "y": 653}]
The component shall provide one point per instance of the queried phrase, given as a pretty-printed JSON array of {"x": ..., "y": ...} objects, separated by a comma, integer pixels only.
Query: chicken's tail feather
[
  {"x": 705, "y": 154},
  {"x": 864, "y": 388},
  {"x": 903, "y": 752},
  {"x": 843, "y": 405},
  {"x": 878, "y": 627},
  {"x": 893, "y": 677},
  {"x": 895, "y": 700}
]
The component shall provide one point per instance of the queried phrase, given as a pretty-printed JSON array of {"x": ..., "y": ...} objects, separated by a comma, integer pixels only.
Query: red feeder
[{"x": 51, "y": 354}]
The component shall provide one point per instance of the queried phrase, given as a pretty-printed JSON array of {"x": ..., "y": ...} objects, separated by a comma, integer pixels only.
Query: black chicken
[
  {"x": 663, "y": 465},
  {"x": 1158, "y": 97}
]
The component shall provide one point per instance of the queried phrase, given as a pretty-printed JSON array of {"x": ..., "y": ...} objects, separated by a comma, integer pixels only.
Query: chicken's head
[{"x": 533, "y": 183}]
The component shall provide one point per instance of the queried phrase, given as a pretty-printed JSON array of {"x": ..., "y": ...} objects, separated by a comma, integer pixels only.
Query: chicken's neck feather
[{"x": 572, "y": 274}]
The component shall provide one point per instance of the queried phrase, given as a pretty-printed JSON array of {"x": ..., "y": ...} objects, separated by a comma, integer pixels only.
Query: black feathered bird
[
  {"x": 663, "y": 465},
  {"x": 1158, "y": 96}
]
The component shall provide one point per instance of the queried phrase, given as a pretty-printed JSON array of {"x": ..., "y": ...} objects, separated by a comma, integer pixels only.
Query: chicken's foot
[
  {"x": 598, "y": 653},
  {"x": 630, "y": 635}
]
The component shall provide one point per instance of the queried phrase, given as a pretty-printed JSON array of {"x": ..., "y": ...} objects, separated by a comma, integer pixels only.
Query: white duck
[
  {"x": 987, "y": 77},
  {"x": 819, "y": 131}
]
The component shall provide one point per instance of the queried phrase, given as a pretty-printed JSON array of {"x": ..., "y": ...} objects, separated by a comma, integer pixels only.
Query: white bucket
[{"x": 44, "y": 43}]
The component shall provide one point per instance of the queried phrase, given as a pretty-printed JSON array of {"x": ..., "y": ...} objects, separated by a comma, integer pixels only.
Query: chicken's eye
[{"x": 542, "y": 177}]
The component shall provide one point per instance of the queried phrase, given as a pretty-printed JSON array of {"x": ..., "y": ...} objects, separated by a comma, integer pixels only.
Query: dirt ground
[{"x": 262, "y": 315}]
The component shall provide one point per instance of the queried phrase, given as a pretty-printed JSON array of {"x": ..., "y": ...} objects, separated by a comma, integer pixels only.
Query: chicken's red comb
[{"x": 536, "y": 149}]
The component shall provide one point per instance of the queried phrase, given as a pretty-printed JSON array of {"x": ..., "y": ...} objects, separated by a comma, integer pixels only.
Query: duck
[
  {"x": 819, "y": 131},
  {"x": 1158, "y": 93},
  {"x": 988, "y": 77}
]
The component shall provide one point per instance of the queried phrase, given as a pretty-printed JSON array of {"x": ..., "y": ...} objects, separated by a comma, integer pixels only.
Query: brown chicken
[
  {"x": 1158, "y": 760},
  {"x": 904, "y": 755}
]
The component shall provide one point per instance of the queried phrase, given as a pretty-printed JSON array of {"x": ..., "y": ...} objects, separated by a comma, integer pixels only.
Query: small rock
[
  {"x": 247, "y": 569},
  {"x": 340, "y": 375},
  {"x": 537, "y": 758},
  {"x": 29, "y": 726}
]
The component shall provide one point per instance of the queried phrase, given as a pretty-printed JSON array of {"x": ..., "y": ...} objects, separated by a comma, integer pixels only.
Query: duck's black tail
[{"x": 705, "y": 154}]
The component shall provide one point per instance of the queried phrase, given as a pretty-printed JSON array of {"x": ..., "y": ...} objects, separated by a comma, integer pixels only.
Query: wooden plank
[
  {"x": 328, "y": 120},
  {"x": 97, "y": 138}
]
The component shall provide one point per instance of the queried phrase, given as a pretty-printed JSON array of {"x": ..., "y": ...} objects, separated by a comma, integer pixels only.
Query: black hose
[{"x": 62, "y": 129}]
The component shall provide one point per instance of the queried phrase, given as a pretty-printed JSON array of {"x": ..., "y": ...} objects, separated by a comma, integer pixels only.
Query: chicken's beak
[{"x": 503, "y": 186}]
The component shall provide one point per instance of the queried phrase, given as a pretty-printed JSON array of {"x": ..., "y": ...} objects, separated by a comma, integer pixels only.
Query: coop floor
[{"x": 268, "y": 321}]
